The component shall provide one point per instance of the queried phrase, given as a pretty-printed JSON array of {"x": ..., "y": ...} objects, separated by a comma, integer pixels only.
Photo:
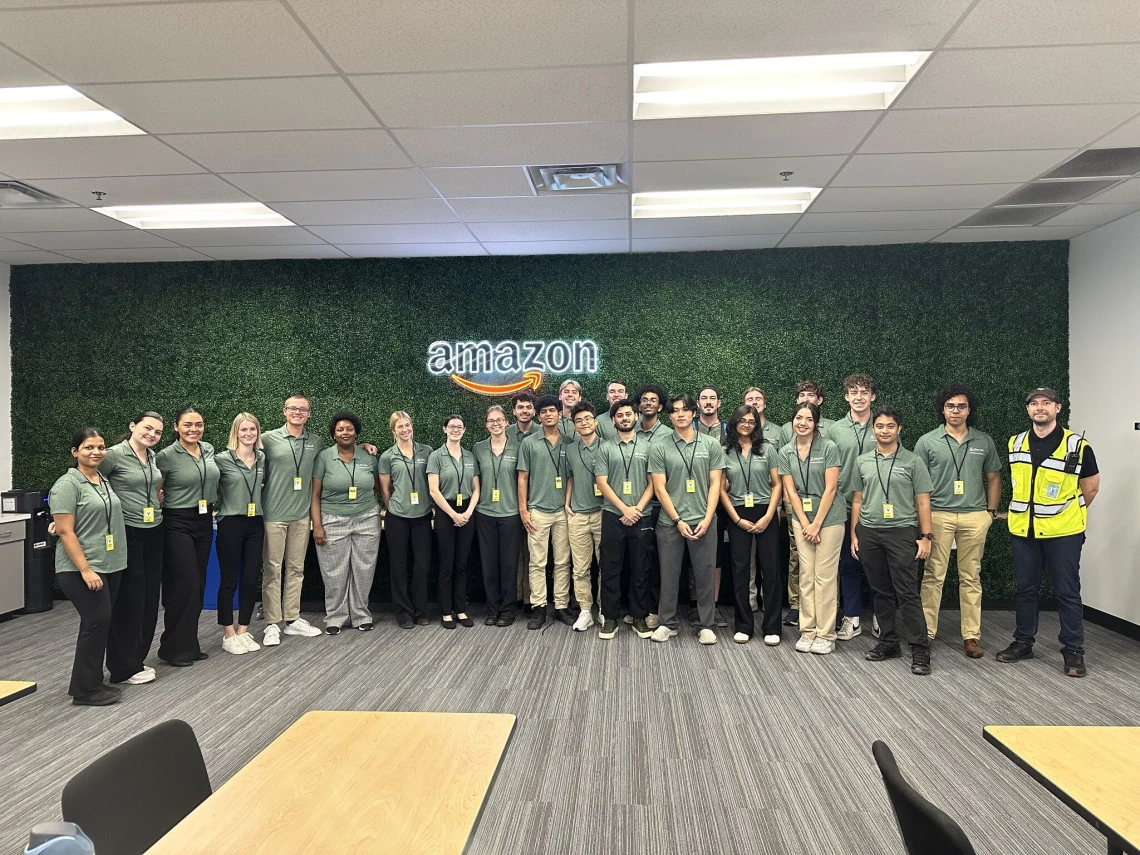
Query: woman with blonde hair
[{"x": 241, "y": 530}]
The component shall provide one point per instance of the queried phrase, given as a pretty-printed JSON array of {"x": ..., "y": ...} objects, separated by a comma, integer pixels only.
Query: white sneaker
[
  {"x": 234, "y": 645},
  {"x": 303, "y": 628},
  {"x": 627, "y": 620},
  {"x": 772, "y": 640},
  {"x": 707, "y": 636},
  {"x": 138, "y": 679},
  {"x": 740, "y": 638},
  {"x": 822, "y": 646},
  {"x": 148, "y": 668},
  {"x": 584, "y": 622},
  {"x": 272, "y": 636},
  {"x": 652, "y": 621},
  {"x": 804, "y": 644},
  {"x": 247, "y": 640},
  {"x": 662, "y": 633},
  {"x": 849, "y": 629},
  {"x": 875, "y": 625}
]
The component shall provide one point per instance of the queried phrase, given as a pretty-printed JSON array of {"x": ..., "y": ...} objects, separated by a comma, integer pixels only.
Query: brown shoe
[{"x": 973, "y": 648}]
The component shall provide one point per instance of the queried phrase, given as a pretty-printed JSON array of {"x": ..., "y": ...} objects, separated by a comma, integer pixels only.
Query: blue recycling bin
[{"x": 214, "y": 577}]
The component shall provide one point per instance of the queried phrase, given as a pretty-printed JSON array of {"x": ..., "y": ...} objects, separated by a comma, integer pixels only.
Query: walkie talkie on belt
[{"x": 1073, "y": 458}]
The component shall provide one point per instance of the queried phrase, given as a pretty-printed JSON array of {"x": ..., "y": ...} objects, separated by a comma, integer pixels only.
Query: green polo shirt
[
  {"x": 625, "y": 461},
  {"x": 808, "y": 476},
  {"x": 513, "y": 431},
  {"x": 497, "y": 473},
  {"x": 752, "y": 474},
  {"x": 660, "y": 431},
  {"x": 853, "y": 439},
  {"x": 185, "y": 478},
  {"x": 715, "y": 431},
  {"x": 337, "y": 477},
  {"x": 544, "y": 463},
  {"x": 605, "y": 427},
  {"x": 408, "y": 476},
  {"x": 455, "y": 476},
  {"x": 135, "y": 483},
  {"x": 566, "y": 428},
  {"x": 903, "y": 474},
  {"x": 948, "y": 461},
  {"x": 679, "y": 461},
  {"x": 288, "y": 457},
  {"x": 74, "y": 494},
  {"x": 585, "y": 498},
  {"x": 239, "y": 485},
  {"x": 786, "y": 434}
]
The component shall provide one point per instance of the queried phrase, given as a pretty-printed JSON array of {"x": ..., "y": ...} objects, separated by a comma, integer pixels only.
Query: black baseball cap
[{"x": 1043, "y": 392}]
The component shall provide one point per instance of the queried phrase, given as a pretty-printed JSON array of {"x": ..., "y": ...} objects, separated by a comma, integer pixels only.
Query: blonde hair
[
  {"x": 573, "y": 383},
  {"x": 232, "y": 443},
  {"x": 754, "y": 389},
  {"x": 395, "y": 417}
]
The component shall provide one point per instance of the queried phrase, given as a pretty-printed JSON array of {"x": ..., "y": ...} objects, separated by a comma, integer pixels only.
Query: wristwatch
[{"x": 928, "y": 536}]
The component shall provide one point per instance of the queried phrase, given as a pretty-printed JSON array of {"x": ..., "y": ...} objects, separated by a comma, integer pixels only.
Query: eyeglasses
[
  {"x": 455, "y": 427},
  {"x": 496, "y": 421},
  {"x": 296, "y": 411},
  {"x": 957, "y": 408},
  {"x": 585, "y": 420},
  {"x": 751, "y": 422},
  {"x": 646, "y": 399}
]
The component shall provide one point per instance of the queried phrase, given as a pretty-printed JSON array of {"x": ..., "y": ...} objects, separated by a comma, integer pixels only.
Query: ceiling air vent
[
  {"x": 1055, "y": 192},
  {"x": 1025, "y": 216},
  {"x": 577, "y": 179},
  {"x": 1099, "y": 163},
  {"x": 16, "y": 194}
]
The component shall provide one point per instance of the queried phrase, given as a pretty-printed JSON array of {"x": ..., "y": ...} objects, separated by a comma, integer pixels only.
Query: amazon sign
[{"x": 506, "y": 367}]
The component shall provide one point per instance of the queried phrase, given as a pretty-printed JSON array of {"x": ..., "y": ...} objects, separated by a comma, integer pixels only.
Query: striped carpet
[{"x": 624, "y": 746}]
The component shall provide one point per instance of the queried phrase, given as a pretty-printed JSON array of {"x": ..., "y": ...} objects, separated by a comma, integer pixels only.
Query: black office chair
[
  {"x": 924, "y": 828},
  {"x": 132, "y": 795}
]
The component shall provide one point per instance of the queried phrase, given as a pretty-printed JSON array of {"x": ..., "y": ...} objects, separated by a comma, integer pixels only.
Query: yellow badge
[
  {"x": 352, "y": 492},
  {"x": 296, "y": 483},
  {"x": 557, "y": 482},
  {"x": 495, "y": 495},
  {"x": 459, "y": 499},
  {"x": 807, "y": 503},
  {"x": 690, "y": 486},
  {"x": 111, "y": 543},
  {"x": 959, "y": 488},
  {"x": 597, "y": 489},
  {"x": 148, "y": 514},
  {"x": 749, "y": 500},
  {"x": 627, "y": 488},
  {"x": 203, "y": 506},
  {"x": 888, "y": 511},
  {"x": 251, "y": 509},
  {"x": 415, "y": 498}
]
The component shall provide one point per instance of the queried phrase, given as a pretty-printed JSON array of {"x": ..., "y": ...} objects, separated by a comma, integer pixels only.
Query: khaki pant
[
  {"x": 585, "y": 542},
  {"x": 819, "y": 580},
  {"x": 549, "y": 526},
  {"x": 968, "y": 531},
  {"x": 793, "y": 562},
  {"x": 285, "y": 545}
]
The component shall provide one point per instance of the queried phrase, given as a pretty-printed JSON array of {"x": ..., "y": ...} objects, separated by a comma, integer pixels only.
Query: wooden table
[
  {"x": 10, "y": 690},
  {"x": 1094, "y": 770},
  {"x": 376, "y": 782}
]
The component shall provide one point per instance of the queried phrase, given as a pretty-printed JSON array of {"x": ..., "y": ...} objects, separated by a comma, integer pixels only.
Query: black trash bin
[{"x": 39, "y": 548}]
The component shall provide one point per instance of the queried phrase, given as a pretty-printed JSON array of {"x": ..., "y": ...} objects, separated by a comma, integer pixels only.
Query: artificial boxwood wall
[{"x": 93, "y": 344}]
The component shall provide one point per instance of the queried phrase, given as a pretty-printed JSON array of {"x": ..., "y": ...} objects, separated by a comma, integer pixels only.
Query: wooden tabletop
[
  {"x": 1094, "y": 770},
  {"x": 12, "y": 689},
  {"x": 376, "y": 782}
]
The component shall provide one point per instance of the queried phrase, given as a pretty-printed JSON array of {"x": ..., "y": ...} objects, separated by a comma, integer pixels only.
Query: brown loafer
[{"x": 973, "y": 648}]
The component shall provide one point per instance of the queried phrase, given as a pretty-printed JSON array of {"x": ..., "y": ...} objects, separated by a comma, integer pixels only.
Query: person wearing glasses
[
  {"x": 497, "y": 522},
  {"x": 404, "y": 488},
  {"x": 584, "y": 509},
  {"x": 454, "y": 487},
  {"x": 966, "y": 473}
]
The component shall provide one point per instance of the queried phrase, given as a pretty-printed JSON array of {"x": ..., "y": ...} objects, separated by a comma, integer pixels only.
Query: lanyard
[
  {"x": 202, "y": 472},
  {"x": 107, "y": 506},
  {"x": 297, "y": 461},
  {"x": 799, "y": 461},
  {"x": 863, "y": 438},
  {"x": 408, "y": 466},
  {"x": 589, "y": 469},
  {"x": 632, "y": 455},
  {"x": 351, "y": 474},
  {"x": 455, "y": 466},
  {"x": 148, "y": 473},
  {"x": 748, "y": 474},
  {"x": 249, "y": 485},
  {"x": 886, "y": 487},
  {"x": 692, "y": 457},
  {"x": 497, "y": 461},
  {"x": 957, "y": 464},
  {"x": 550, "y": 453}
]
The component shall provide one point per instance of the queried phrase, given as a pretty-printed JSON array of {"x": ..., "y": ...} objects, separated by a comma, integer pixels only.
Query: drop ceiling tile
[
  {"x": 871, "y": 221},
  {"x": 92, "y": 156},
  {"x": 604, "y": 206},
  {"x": 1091, "y": 215},
  {"x": 246, "y": 237},
  {"x": 109, "y": 255},
  {"x": 859, "y": 238},
  {"x": 34, "y": 256},
  {"x": 296, "y": 103},
  {"x": 144, "y": 190},
  {"x": 1011, "y": 233},
  {"x": 56, "y": 220},
  {"x": 517, "y": 145},
  {"x": 366, "y": 36},
  {"x": 941, "y": 197},
  {"x": 333, "y": 185},
  {"x": 553, "y": 230},
  {"x": 696, "y": 244},
  {"x": 557, "y": 247},
  {"x": 366, "y": 213},
  {"x": 964, "y": 167},
  {"x": 1125, "y": 193},
  {"x": 414, "y": 233},
  {"x": 283, "y": 151},
  {"x": 170, "y": 41},
  {"x": 412, "y": 250},
  {"x": 995, "y": 128},
  {"x": 725, "y": 174},
  {"x": 15, "y": 71},
  {"x": 670, "y": 227},
  {"x": 1033, "y": 75},
  {"x": 64, "y": 241},
  {"x": 481, "y": 181},
  {"x": 238, "y": 253},
  {"x": 728, "y": 29},
  {"x": 1126, "y": 136},
  {"x": 994, "y": 23},
  {"x": 598, "y": 94},
  {"x": 717, "y": 137}
]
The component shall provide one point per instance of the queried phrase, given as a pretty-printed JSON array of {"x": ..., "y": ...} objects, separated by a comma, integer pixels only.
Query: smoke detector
[
  {"x": 588, "y": 178},
  {"x": 16, "y": 194}
]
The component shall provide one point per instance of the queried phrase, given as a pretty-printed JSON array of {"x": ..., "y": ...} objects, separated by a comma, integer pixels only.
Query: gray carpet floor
[{"x": 624, "y": 746}]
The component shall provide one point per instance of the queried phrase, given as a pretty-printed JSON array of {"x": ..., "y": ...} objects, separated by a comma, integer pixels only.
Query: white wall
[
  {"x": 1104, "y": 378},
  {"x": 5, "y": 381}
]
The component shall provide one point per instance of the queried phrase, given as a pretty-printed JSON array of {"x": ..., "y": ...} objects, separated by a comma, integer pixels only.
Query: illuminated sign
[{"x": 506, "y": 360}]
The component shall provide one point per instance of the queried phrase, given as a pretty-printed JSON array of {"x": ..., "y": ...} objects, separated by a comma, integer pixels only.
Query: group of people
[{"x": 642, "y": 500}]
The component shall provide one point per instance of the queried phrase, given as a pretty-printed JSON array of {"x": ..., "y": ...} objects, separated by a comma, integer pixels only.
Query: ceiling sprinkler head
[{"x": 786, "y": 174}]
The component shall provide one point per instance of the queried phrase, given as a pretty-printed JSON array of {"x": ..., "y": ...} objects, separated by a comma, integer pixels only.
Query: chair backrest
[
  {"x": 925, "y": 829},
  {"x": 132, "y": 795}
]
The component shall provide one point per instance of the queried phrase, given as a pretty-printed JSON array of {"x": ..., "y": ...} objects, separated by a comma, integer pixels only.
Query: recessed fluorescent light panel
[
  {"x": 45, "y": 112},
  {"x": 724, "y": 203},
  {"x": 225, "y": 216},
  {"x": 787, "y": 84}
]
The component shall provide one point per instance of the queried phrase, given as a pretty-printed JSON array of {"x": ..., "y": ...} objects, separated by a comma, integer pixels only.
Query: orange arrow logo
[{"x": 531, "y": 379}]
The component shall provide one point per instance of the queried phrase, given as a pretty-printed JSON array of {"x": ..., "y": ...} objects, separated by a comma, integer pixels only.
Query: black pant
[
  {"x": 135, "y": 612},
  {"x": 454, "y": 549},
  {"x": 767, "y": 549},
  {"x": 892, "y": 571},
  {"x": 1062, "y": 555},
  {"x": 618, "y": 541},
  {"x": 239, "y": 555},
  {"x": 186, "y": 552},
  {"x": 654, "y": 565},
  {"x": 404, "y": 532},
  {"x": 94, "y": 609},
  {"x": 500, "y": 539}
]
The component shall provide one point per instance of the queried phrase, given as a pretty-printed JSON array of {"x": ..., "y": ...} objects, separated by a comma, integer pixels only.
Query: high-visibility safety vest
[{"x": 1058, "y": 505}]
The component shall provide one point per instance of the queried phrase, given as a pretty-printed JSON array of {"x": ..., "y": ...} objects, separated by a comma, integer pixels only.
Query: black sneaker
[
  {"x": 505, "y": 620},
  {"x": 609, "y": 629},
  {"x": 566, "y": 616},
  {"x": 883, "y": 651},
  {"x": 537, "y": 617},
  {"x": 490, "y": 620},
  {"x": 1015, "y": 652},
  {"x": 365, "y": 627},
  {"x": 405, "y": 622},
  {"x": 792, "y": 618},
  {"x": 641, "y": 628},
  {"x": 1074, "y": 664},
  {"x": 422, "y": 620},
  {"x": 720, "y": 618},
  {"x": 332, "y": 630},
  {"x": 101, "y": 697},
  {"x": 920, "y": 660}
]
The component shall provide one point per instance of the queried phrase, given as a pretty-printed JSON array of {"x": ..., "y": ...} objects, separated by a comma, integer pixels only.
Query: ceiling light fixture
[
  {"x": 790, "y": 84},
  {"x": 724, "y": 203},
  {"x": 44, "y": 112},
  {"x": 229, "y": 215}
]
